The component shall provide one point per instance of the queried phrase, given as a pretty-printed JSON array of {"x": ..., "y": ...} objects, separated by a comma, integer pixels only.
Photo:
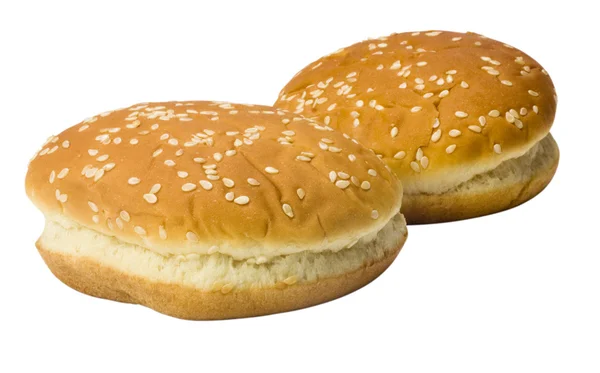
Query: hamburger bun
[
  {"x": 210, "y": 210},
  {"x": 461, "y": 119}
]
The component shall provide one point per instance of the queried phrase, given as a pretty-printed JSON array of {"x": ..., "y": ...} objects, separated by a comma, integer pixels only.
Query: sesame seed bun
[
  {"x": 191, "y": 207},
  {"x": 439, "y": 108}
]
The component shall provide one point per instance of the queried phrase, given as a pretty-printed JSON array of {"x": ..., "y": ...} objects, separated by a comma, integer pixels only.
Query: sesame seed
[
  {"x": 365, "y": 185},
  {"x": 351, "y": 157},
  {"x": 436, "y": 123},
  {"x": 229, "y": 196},
  {"x": 139, "y": 230},
  {"x": 207, "y": 185},
  {"x": 253, "y": 182},
  {"x": 415, "y": 109},
  {"x": 523, "y": 111},
  {"x": 199, "y": 160},
  {"x": 237, "y": 143},
  {"x": 133, "y": 181},
  {"x": 342, "y": 184},
  {"x": 182, "y": 174},
  {"x": 334, "y": 149},
  {"x": 83, "y": 128},
  {"x": 440, "y": 81},
  {"x": 92, "y": 152},
  {"x": 400, "y": 155},
  {"x": 228, "y": 182},
  {"x": 497, "y": 148},
  {"x": 150, "y": 198},
  {"x": 287, "y": 209},
  {"x": 230, "y": 152},
  {"x": 464, "y": 84},
  {"x": 506, "y": 82},
  {"x": 133, "y": 141},
  {"x": 332, "y": 176},
  {"x": 218, "y": 157},
  {"x": 162, "y": 233},
  {"x": 108, "y": 166},
  {"x": 443, "y": 93},
  {"x": 301, "y": 193},
  {"x": 461, "y": 114},
  {"x": 533, "y": 93},
  {"x": 96, "y": 219},
  {"x": 451, "y": 148},
  {"x": 509, "y": 117},
  {"x": 157, "y": 152},
  {"x": 402, "y": 86},
  {"x": 155, "y": 188},
  {"x": 99, "y": 174},
  {"x": 119, "y": 223},
  {"x": 372, "y": 172},
  {"x": 331, "y": 107},
  {"x": 535, "y": 109},
  {"x": 415, "y": 166},
  {"x": 394, "y": 131},
  {"x": 242, "y": 200},
  {"x": 421, "y": 63},
  {"x": 374, "y": 214},
  {"x": 419, "y": 154},
  {"x": 482, "y": 121},
  {"x": 271, "y": 170},
  {"x": 424, "y": 162},
  {"x": 191, "y": 236},
  {"x": 454, "y": 133},
  {"x": 66, "y": 144},
  {"x": 475, "y": 128},
  {"x": 187, "y": 187},
  {"x": 93, "y": 206},
  {"x": 52, "y": 176},
  {"x": 343, "y": 175},
  {"x": 169, "y": 163},
  {"x": 436, "y": 135},
  {"x": 518, "y": 124},
  {"x": 355, "y": 180},
  {"x": 428, "y": 95},
  {"x": 494, "y": 113}
]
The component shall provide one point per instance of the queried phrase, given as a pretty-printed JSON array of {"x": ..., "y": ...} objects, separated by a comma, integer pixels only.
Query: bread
[
  {"x": 207, "y": 210},
  {"x": 441, "y": 109}
]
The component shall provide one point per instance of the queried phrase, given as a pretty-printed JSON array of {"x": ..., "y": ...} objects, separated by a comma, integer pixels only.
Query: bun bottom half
[
  {"x": 174, "y": 293},
  {"x": 512, "y": 183}
]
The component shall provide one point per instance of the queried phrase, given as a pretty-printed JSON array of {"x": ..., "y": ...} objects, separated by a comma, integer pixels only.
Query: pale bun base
[
  {"x": 512, "y": 183},
  {"x": 172, "y": 292}
]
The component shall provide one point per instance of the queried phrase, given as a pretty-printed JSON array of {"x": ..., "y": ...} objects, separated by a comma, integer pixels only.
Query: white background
[{"x": 513, "y": 292}]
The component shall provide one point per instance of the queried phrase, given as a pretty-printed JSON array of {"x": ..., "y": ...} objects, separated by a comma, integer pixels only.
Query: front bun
[{"x": 212, "y": 197}]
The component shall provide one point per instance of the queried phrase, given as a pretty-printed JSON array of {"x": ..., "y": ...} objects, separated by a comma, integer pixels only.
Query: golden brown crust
[
  {"x": 200, "y": 177},
  {"x": 461, "y": 203},
  {"x": 90, "y": 277},
  {"x": 438, "y": 107}
]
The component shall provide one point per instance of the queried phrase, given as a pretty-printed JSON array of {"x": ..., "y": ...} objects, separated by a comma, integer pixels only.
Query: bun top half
[
  {"x": 206, "y": 177},
  {"x": 438, "y": 107}
]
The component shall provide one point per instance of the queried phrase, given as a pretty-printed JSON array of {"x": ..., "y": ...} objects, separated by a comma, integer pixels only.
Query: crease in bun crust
[
  {"x": 438, "y": 107},
  {"x": 211, "y": 210}
]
